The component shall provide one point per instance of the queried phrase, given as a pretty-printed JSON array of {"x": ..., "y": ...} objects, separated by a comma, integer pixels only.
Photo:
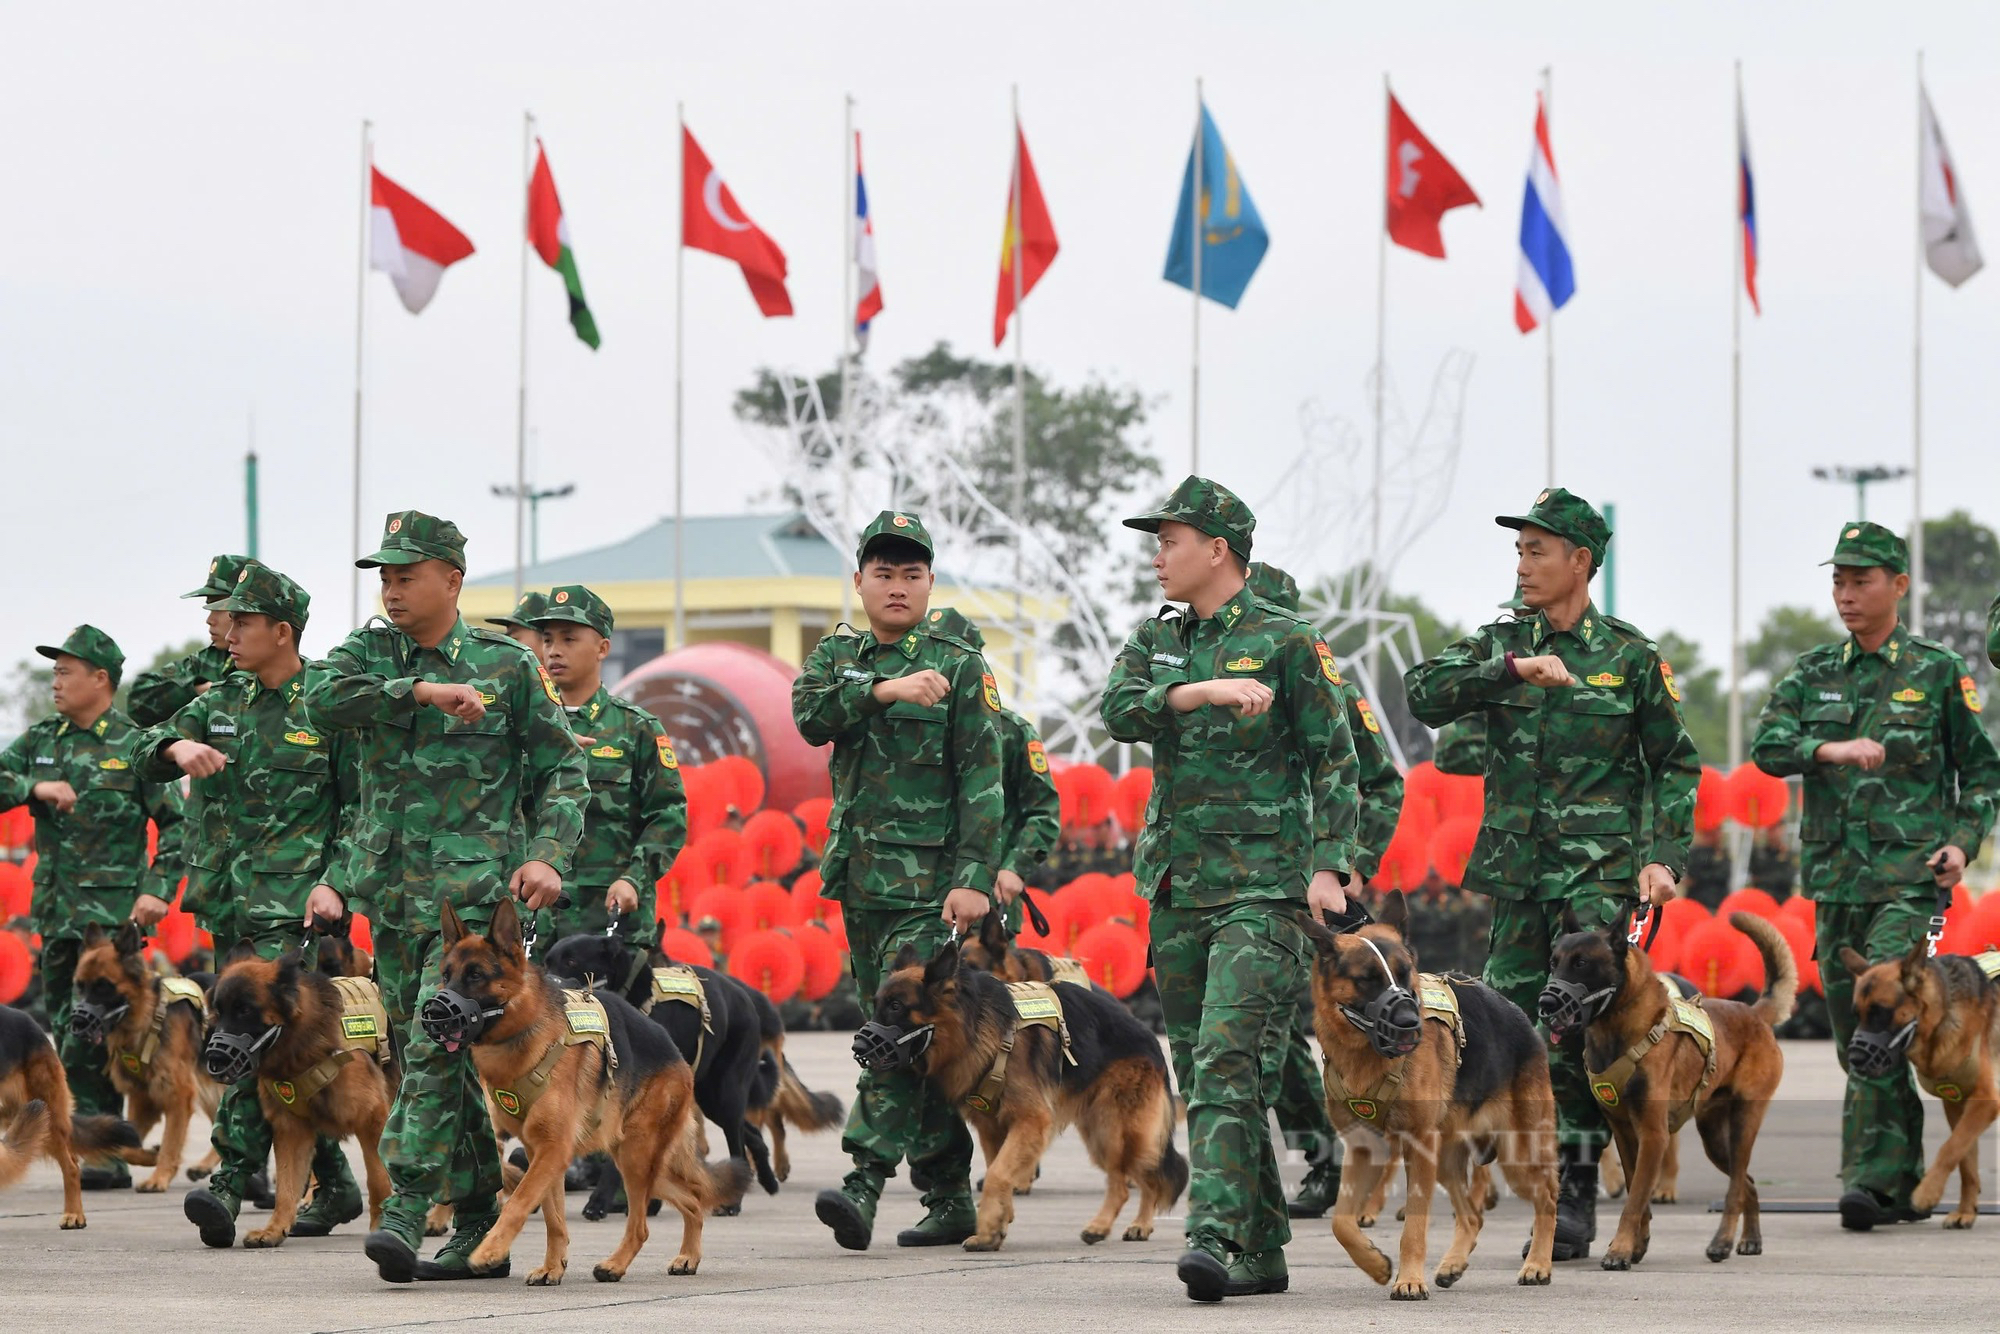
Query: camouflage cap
[
  {"x": 262, "y": 590},
  {"x": 93, "y": 646},
  {"x": 1209, "y": 506},
  {"x": 221, "y": 580},
  {"x": 1567, "y": 516},
  {"x": 1514, "y": 603},
  {"x": 952, "y": 621},
  {"x": 1865, "y": 543},
  {"x": 894, "y": 523},
  {"x": 1274, "y": 585},
  {"x": 531, "y": 605},
  {"x": 410, "y": 536},
  {"x": 576, "y": 605}
]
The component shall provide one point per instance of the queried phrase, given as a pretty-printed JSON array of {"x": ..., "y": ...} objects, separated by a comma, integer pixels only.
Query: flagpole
[
  {"x": 1917, "y": 387},
  {"x": 1020, "y": 402},
  {"x": 1195, "y": 210},
  {"x": 1736, "y": 456},
  {"x": 849, "y": 165},
  {"x": 1549, "y": 325},
  {"x": 360, "y": 328},
  {"x": 521, "y": 398},
  {"x": 680, "y": 303},
  {"x": 1381, "y": 355}
]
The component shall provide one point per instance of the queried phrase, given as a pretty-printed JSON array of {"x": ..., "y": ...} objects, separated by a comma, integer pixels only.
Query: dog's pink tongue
[{"x": 451, "y": 1044}]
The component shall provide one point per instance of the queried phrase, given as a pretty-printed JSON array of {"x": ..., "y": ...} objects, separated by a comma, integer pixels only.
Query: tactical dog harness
[
  {"x": 1035, "y": 1005},
  {"x": 1682, "y": 1016},
  {"x": 1068, "y": 970},
  {"x": 586, "y": 1024},
  {"x": 682, "y": 984},
  {"x": 1952, "y": 1087},
  {"x": 171, "y": 991},
  {"x": 1440, "y": 1004},
  {"x": 364, "y": 1026}
]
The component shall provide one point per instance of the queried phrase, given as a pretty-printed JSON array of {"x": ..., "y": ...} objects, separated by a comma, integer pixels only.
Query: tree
[
  {"x": 1961, "y": 575},
  {"x": 1704, "y": 699}
]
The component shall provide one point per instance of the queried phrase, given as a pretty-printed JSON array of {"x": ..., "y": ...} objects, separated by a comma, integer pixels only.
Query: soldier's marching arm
[
  {"x": 1972, "y": 757},
  {"x": 553, "y": 767},
  {"x": 832, "y": 699},
  {"x": 1672, "y": 762},
  {"x": 355, "y": 692},
  {"x": 980, "y": 794},
  {"x": 1381, "y": 786},
  {"x": 1780, "y": 746},
  {"x": 1462, "y": 679},
  {"x": 1038, "y": 815},
  {"x": 659, "y": 808},
  {"x": 166, "y": 808},
  {"x": 1135, "y": 705},
  {"x": 15, "y": 784},
  {"x": 1323, "y": 748}
]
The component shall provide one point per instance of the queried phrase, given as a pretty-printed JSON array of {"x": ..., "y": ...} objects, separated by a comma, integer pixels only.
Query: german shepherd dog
[
  {"x": 1599, "y": 982},
  {"x": 1109, "y": 1079},
  {"x": 285, "y": 1020},
  {"x": 993, "y": 950},
  {"x": 730, "y": 1074},
  {"x": 1444, "y": 1097},
  {"x": 641, "y": 1109},
  {"x": 118, "y": 1001},
  {"x": 791, "y": 1102},
  {"x": 34, "y": 1095},
  {"x": 339, "y": 956},
  {"x": 1944, "y": 1014}
]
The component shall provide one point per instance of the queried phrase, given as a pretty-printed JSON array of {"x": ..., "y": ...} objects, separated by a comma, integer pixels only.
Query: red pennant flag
[
  {"x": 1423, "y": 186},
  {"x": 1037, "y": 239},
  {"x": 711, "y": 221}
]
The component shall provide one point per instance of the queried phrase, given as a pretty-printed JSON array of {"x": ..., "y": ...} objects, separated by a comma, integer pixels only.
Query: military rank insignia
[
  {"x": 1667, "y": 680},
  {"x": 1246, "y": 663},
  {"x": 607, "y": 753},
  {"x": 548, "y": 686},
  {"x": 1368, "y": 717},
  {"x": 991, "y": 690},
  {"x": 1038, "y": 758},
  {"x": 667, "y": 758},
  {"x": 1604, "y": 679},
  {"x": 1968, "y": 690},
  {"x": 1326, "y": 664},
  {"x": 1908, "y": 696}
]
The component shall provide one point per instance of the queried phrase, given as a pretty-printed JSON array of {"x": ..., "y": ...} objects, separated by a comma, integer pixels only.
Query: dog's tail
[
  {"x": 715, "y": 1185},
  {"x": 1781, "y": 988},
  {"x": 107, "y": 1136},
  {"x": 24, "y": 1141},
  {"x": 1172, "y": 1172},
  {"x": 803, "y": 1108},
  {"x": 764, "y": 1084}
]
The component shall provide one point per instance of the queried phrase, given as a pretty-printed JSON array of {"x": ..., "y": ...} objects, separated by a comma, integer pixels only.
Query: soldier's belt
[
  {"x": 682, "y": 984},
  {"x": 1439, "y": 1005},
  {"x": 364, "y": 1027},
  {"x": 1036, "y": 1005},
  {"x": 1682, "y": 1016},
  {"x": 585, "y": 1024},
  {"x": 167, "y": 992}
]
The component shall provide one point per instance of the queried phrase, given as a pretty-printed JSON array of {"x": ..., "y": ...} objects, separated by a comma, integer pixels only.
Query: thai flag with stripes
[
  {"x": 870, "y": 304},
  {"x": 1547, "y": 280}
]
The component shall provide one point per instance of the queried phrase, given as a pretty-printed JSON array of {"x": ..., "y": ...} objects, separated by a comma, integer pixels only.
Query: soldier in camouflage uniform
[
  {"x": 1252, "y": 819},
  {"x": 1584, "y": 725},
  {"x": 1461, "y": 745},
  {"x": 1301, "y": 1098},
  {"x": 77, "y": 772},
  {"x": 918, "y": 813},
  {"x": 472, "y": 787},
  {"x": 277, "y": 789},
  {"x": 636, "y": 821},
  {"x": 520, "y": 625},
  {"x": 1033, "y": 820},
  {"x": 1900, "y": 785},
  {"x": 158, "y": 695}
]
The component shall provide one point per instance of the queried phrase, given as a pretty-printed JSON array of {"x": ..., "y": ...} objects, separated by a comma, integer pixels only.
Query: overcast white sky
[{"x": 181, "y": 239}]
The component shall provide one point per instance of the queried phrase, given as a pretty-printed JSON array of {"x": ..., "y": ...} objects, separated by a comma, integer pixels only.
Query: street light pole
[
  {"x": 1861, "y": 478},
  {"x": 534, "y": 497}
]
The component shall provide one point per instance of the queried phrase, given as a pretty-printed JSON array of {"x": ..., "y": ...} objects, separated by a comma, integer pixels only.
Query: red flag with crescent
[{"x": 712, "y": 221}]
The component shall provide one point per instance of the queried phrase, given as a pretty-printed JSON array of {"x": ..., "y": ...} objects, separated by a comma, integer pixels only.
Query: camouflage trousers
[
  {"x": 1300, "y": 1103},
  {"x": 897, "y": 1114},
  {"x": 1517, "y": 966},
  {"x": 587, "y": 916},
  {"x": 90, "y": 1086},
  {"x": 241, "y": 1136},
  {"x": 439, "y": 1143},
  {"x": 1229, "y": 982},
  {"x": 1881, "y": 1120}
]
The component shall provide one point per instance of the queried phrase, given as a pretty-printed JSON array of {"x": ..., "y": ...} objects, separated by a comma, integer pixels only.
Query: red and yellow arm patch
[
  {"x": 668, "y": 760},
  {"x": 1367, "y": 716},
  {"x": 1038, "y": 758},
  {"x": 1968, "y": 690},
  {"x": 548, "y": 686},
  {"x": 1327, "y": 667},
  {"x": 990, "y": 689},
  {"x": 1667, "y": 680}
]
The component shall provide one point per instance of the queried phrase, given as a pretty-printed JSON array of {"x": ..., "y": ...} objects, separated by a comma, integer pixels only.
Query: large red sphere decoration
[
  {"x": 1713, "y": 958},
  {"x": 1461, "y": 796},
  {"x": 1749, "y": 899},
  {"x": 707, "y": 801},
  {"x": 1451, "y": 848},
  {"x": 814, "y": 813},
  {"x": 770, "y": 961},
  {"x": 1757, "y": 799},
  {"x": 1805, "y": 909},
  {"x": 1665, "y": 951},
  {"x": 722, "y": 698},
  {"x": 1086, "y": 793},
  {"x": 821, "y": 954},
  {"x": 684, "y": 946},
  {"x": 1711, "y": 800},
  {"x": 725, "y": 904},
  {"x": 1405, "y": 862},
  {"x": 1115, "y": 957},
  {"x": 17, "y": 889},
  {"x": 768, "y": 907},
  {"x": 1424, "y": 787},
  {"x": 721, "y": 858},
  {"x": 743, "y": 781},
  {"x": 17, "y": 967},
  {"x": 774, "y": 843},
  {"x": 1684, "y": 913},
  {"x": 1135, "y": 790}
]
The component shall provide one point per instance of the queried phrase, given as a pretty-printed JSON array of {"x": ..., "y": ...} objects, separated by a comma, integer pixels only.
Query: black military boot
[
  {"x": 1317, "y": 1192},
  {"x": 1576, "y": 1206}
]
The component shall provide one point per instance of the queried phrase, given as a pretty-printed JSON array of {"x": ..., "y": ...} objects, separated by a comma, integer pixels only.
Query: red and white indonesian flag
[
  {"x": 410, "y": 241},
  {"x": 1949, "y": 246}
]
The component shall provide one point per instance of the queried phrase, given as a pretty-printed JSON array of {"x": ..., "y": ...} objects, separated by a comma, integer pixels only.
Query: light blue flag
[{"x": 1233, "y": 236}]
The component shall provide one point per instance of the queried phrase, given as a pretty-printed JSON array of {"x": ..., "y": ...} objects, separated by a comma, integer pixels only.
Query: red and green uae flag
[{"x": 548, "y": 233}]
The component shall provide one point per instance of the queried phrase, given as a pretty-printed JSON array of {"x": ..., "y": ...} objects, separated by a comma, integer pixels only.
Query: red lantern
[
  {"x": 707, "y": 802},
  {"x": 1750, "y": 900},
  {"x": 725, "y": 904},
  {"x": 1685, "y": 913},
  {"x": 1757, "y": 799},
  {"x": 1134, "y": 792},
  {"x": 768, "y": 907},
  {"x": 1711, "y": 800},
  {"x": 1461, "y": 796},
  {"x": 770, "y": 961},
  {"x": 1712, "y": 957},
  {"x": 1805, "y": 909},
  {"x": 821, "y": 954},
  {"x": 671, "y": 891},
  {"x": 1405, "y": 862},
  {"x": 684, "y": 946},
  {"x": 1424, "y": 788},
  {"x": 774, "y": 843},
  {"x": 17, "y": 890},
  {"x": 742, "y": 782},
  {"x": 17, "y": 967},
  {"x": 1115, "y": 957},
  {"x": 1984, "y": 927},
  {"x": 1665, "y": 951},
  {"x": 806, "y": 902},
  {"x": 360, "y": 934},
  {"x": 1086, "y": 793},
  {"x": 719, "y": 857},
  {"x": 1451, "y": 848},
  {"x": 175, "y": 935},
  {"x": 814, "y": 814}
]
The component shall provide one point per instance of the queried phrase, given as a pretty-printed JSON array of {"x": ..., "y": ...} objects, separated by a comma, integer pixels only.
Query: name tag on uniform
[
  {"x": 221, "y": 727},
  {"x": 1170, "y": 660},
  {"x": 853, "y": 675},
  {"x": 45, "y": 759},
  {"x": 1829, "y": 696}
]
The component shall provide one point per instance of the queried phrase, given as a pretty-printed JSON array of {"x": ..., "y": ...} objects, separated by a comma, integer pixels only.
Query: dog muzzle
[
  {"x": 453, "y": 1021},
  {"x": 94, "y": 1023},
  {"x": 1392, "y": 1021},
  {"x": 1565, "y": 1006},
  {"x": 881, "y": 1048},
  {"x": 1872, "y": 1053},
  {"x": 231, "y": 1058}
]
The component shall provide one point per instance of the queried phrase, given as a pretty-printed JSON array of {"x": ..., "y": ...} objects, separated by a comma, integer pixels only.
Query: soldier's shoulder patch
[
  {"x": 989, "y": 689},
  {"x": 548, "y": 686},
  {"x": 1667, "y": 680},
  {"x": 1968, "y": 690},
  {"x": 668, "y": 760},
  {"x": 1327, "y": 667},
  {"x": 1038, "y": 757},
  {"x": 1367, "y": 716}
]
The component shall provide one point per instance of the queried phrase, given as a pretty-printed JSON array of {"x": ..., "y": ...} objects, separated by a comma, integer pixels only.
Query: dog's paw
[
  {"x": 264, "y": 1238},
  {"x": 1719, "y": 1250},
  {"x": 727, "y": 1210},
  {"x": 71, "y": 1222},
  {"x": 1376, "y": 1265},
  {"x": 1091, "y": 1236},
  {"x": 985, "y": 1241},
  {"x": 1365, "y": 1220},
  {"x": 1448, "y": 1275},
  {"x": 684, "y": 1264},
  {"x": 1534, "y": 1275},
  {"x": 1925, "y": 1197},
  {"x": 593, "y": 1213},
  {"x": 1410, "y": 1290},
  {"x": 1750, "y": 1246},
  {"x": 1138, "y": 1233},
  {"x": 1617, "y": 1260},
  {"x": 1954, "y": 1221},
  {"x": 604, "y": 1273},
  {"x": 487, "y": 1254},
  {"x": 197, "y": 1173},
  {"x": 1667, "y": 1195},
  {"x": 152, "y": 1185},
  {"x": 550, "y": 1276}
]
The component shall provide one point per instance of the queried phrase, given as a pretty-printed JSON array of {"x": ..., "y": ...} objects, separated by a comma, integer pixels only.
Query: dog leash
[
  {"x": 1934, "y": 934},
  {"x": 1036, "y": 918},
  {"x": 531, "y": 934},
  {"x": 1645, "y": 928}
]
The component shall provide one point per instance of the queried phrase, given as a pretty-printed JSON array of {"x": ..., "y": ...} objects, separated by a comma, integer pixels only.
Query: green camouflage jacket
[
  {"x": 274, "y": 822},
  {"x": 1461, "y": 747},
  {"x": 1033, "y": 820},
  {"x": 158, "y": 695},
  {"x": 1865, "y": 835},
  {"x": 442, "y": 817},
  {"x": 91, "y": 863},
  {"x": 636, "y": 820},
  {"x": 1243, "y": 809},
  {"x": 1381, "y": 782},
  {"x": 1569, "y": 770},
  {"x": 919, "y": 794},
  {"x": 1993, "y": 633}
]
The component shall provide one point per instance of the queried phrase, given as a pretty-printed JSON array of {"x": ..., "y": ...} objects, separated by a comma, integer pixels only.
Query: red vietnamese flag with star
[
  {"x": 1036, "y": 241},
  {"x": 711, "y": 220}
]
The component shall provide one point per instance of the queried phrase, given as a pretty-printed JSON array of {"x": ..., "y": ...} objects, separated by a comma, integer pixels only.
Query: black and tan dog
[
  {"x": 34, "y": 1096},
  {"x": 568, "y": 1073},
  {"x": 994, "y": 951},
  {"x": 1655, "y": 1062},
  {"x": 319, "y": 1048},
  {"x": 151, "y": 1030},
  {"x": 1942, "y": 1015},
  {"x": 1444, "y": 1069},
  {"x": 339, "y": 956},
  {"x": 1023, "y": 1061}
]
